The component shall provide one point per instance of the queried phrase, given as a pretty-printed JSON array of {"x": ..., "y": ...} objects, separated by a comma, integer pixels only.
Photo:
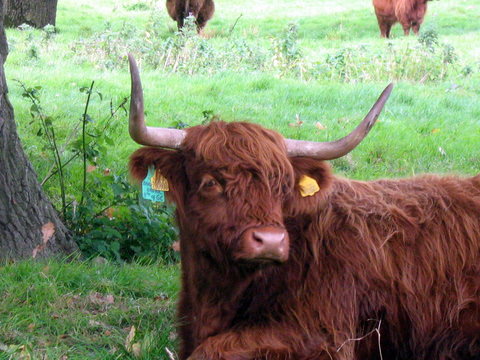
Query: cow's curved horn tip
[{"x": 389, "y": 88}]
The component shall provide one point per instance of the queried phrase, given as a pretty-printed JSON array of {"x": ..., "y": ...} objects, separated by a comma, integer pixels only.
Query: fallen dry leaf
[
  {"x": 48, "y": 230},
  {"x": 96, "y": 323},
  {"x": 161, "y": 297},
  {"x": 24, "y": 353},
  {"x": 136, "y": 350},
  {"x": 297, "y": 122},
  {"x": 176, "y": 246},
  {"x": 320, "y": 126},
  {"x": 99, "y": 299},
  {"x": 129, "y": 339},
  {"x": 110, "y": 213}
]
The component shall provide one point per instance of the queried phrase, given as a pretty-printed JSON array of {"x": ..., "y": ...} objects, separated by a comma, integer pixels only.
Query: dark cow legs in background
[
  {"x": 416, "y": 28},
  {"x": 409, "y": 13},
  {"x": 385, "y": 26}
]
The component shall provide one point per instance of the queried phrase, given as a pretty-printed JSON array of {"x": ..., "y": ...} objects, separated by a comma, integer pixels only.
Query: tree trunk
[
  {"x": 29, "y": 225},
  {"x": 36, "y": 13}
]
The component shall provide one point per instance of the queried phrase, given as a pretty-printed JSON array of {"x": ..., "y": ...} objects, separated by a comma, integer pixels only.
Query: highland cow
[
  {"x": 409, "y": 13},
  {"x": 282, "y": 260},
  {"x": 201, "y": 10}
]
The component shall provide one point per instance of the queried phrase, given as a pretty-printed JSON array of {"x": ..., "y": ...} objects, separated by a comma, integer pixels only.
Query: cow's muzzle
[{"x": 265, "y": 244}]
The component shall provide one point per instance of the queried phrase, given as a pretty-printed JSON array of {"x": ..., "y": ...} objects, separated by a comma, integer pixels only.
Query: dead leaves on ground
[
  {"x": 299, "y": 123},
  {"x": 91, "y": 318},
  {"x": 133, "y": 348},
  {"x": 48, "y": 230},
  {"x": 99, "y": 299}
]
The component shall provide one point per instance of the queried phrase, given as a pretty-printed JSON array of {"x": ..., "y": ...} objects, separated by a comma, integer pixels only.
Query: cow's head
[{"x": 234, "y": 183}]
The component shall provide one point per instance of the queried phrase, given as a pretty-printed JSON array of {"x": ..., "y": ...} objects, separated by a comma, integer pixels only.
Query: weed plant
[
  {"x": 101, "y": 208},
  {"x": 427, "y": 59},
  {"x": 423, "y": 61}
]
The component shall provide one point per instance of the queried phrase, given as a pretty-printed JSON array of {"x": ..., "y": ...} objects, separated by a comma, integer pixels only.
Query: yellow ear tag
[
  {"x": 308, "y": 186},
  {"x": 159, "y": 182}
]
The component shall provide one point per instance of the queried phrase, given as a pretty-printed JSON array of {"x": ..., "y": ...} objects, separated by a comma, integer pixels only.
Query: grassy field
[
  {"x": 84, "y": 310},
  {"x": 427, "y": 110},
  {"x": 251, "y": 64}
]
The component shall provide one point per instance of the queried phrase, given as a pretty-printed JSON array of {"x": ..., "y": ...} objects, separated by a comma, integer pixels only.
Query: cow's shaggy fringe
[{"x": 405, "y": 252}]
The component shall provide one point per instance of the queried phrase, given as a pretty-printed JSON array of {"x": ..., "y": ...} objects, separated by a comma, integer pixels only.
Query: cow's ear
[
  {"x": 170, "y": 163},
  {"x": 313, "y": 179}
]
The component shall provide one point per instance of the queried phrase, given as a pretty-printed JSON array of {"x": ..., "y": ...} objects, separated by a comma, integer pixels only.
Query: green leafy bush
[
  {"x": 185, "y": 51},
  {"x": 136, "y": 231},
  {"x": 426, "y": 60},
  {"x": 105, "y": 213}
]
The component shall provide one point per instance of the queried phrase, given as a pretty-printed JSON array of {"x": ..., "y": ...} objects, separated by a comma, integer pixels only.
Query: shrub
[
  {"x": 187, "y": 52},
  {"x": 428, "y": 60},
  {"x": 104, "y": 212}
]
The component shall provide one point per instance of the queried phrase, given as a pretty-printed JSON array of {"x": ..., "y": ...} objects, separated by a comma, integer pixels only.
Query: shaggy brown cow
[
  {"x": 201, "y": 10},
  {"x": 409, "y": 13},
  {"x": 281, "y": 260}
]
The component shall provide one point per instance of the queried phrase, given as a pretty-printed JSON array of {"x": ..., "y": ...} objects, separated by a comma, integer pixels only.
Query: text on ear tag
[
  {"x": 308, "y": 186},
  {"x": 148, "y": 192}
]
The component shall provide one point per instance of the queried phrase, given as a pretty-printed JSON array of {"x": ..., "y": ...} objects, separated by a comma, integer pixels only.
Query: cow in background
[
  {"x": 282, "y": 260},
  {"x": 201, "y": 10},
  {"x": 409, "y": 13}
]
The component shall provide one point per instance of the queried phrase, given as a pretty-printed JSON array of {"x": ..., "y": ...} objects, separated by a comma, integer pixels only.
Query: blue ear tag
[{"x": 148, "y": 192}]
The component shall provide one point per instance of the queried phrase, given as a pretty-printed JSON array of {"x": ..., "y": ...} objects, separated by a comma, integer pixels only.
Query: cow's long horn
[
  {"x": 335, "y": 149},
  {"x": 142, "y": 134}
]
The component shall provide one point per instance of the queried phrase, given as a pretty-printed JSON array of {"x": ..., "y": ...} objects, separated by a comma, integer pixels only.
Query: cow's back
[{"x": 413, "y": 248}]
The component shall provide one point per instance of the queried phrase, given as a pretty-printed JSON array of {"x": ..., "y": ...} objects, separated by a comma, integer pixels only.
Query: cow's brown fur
[
  {"x": 409, "y": 13},
  {"x": 201, "y": 10},
  {"x": 388, "y": 266}
]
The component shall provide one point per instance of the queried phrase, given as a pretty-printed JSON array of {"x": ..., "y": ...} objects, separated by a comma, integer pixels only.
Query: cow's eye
[{"x": 210, "y": 183}]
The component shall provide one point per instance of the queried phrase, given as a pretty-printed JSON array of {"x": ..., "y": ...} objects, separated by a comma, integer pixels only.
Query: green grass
[
  {"x": 83, "y": 310},
  {"x": 430, "y": 124},
  {"x": 419, "y": 118}
]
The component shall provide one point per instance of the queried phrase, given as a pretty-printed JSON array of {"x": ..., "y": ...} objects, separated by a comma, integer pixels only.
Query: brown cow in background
[
  {"x": 282, "y": 260},
  {"x": 201, "y": 10},
  {"x": 409, "y": 13}
]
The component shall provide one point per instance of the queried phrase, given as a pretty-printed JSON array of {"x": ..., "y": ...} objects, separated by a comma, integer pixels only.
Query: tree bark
[
  {"x": 29, "y": 225},
  {"x": 36, "y": 13}
]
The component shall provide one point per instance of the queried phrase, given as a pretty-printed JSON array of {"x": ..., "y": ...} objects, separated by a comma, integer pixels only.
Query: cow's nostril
[
  {"x": 269, "y": 238},
  {"x": 257, "y": 237},
  {"x": 266, "y": 243}
]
